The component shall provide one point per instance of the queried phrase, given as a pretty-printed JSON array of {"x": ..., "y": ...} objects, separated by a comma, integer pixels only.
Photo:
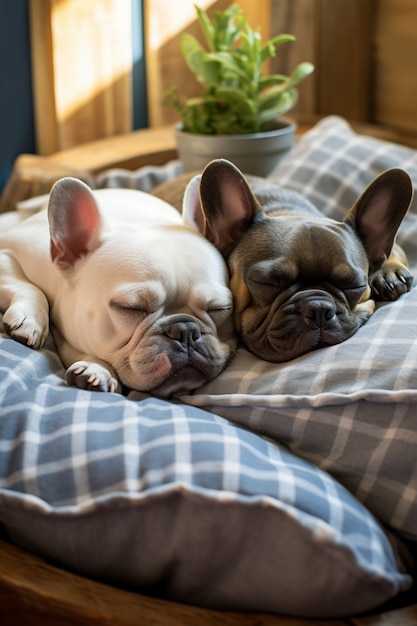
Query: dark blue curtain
[
  {"x": 16, "y": 106},
  {"x": 140, "y": 111}
]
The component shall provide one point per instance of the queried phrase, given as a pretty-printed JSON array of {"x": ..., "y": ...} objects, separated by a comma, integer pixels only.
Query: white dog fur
[{"x": 136, "y": 296}]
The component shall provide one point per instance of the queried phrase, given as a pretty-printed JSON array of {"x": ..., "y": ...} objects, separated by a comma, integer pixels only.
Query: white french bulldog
[{"x": 135, "y": 295}]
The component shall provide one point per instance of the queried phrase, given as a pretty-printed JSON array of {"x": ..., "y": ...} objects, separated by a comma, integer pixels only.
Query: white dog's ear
[
  {"x": 192, "y": 213},
  {"x": 75, "y": 222}
]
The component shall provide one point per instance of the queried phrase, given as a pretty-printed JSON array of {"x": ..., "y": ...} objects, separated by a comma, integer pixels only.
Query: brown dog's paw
[
  {"x": 25, "y": 328},
  {"x": 391, "y": 281},
  {"x": 91, "y": 376}
]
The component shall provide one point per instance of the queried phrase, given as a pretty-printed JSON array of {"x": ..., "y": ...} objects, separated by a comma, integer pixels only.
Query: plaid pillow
[{"x": 166, "y": 498}]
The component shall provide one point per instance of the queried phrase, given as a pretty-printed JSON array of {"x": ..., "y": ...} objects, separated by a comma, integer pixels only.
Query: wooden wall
[
  {"x": 364, "y": 51},
  {"x": 82, "y": 67},
  {"x": 395, "y": 63},
  {"x": 333, "y": 34},
  {"x": 365, "y": 54}
]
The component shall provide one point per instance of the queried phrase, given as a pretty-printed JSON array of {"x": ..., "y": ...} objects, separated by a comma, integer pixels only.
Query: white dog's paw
[
  {"x": 26, "y": 328},
  {"x": 91, "y": 376}
]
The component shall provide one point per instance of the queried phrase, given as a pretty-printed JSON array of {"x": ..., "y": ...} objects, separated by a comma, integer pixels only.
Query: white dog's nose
[{"x": 182, "y": 328}]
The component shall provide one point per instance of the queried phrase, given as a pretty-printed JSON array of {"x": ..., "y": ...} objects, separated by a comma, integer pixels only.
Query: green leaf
[
  {"x": 236, "y": 98},
  {"x": 272, "y": 80},
  {"x": 228, "y": 26},
  {"x": 207, "y": 27},
  {"x": 189, "y": 45},
  {"x": 301, "y": 72},
  {"x": 197, "y": 59},
  {"x": 228, "y": 62},
  {"x": 271, "y": 97},
  {"x": 286, "y": 102},
  {"x": 269, "y": 50}
]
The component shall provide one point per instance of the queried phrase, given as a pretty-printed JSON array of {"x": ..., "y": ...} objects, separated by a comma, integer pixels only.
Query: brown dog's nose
[{"x": 316, "y": 307}]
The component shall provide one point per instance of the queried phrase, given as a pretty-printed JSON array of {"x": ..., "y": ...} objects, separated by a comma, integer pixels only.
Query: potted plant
[{"x": 239, "y": 115}]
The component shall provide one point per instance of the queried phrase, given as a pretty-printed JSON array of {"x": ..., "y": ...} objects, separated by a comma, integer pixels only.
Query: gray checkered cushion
[{"x": 176, "y": 500}]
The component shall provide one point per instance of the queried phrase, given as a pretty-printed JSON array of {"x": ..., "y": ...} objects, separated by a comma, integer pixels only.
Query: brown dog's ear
[
  {"x": 228, "y": 204},
  {"x": 75, "y": 222},
  {"x": 379, "y": 211}
]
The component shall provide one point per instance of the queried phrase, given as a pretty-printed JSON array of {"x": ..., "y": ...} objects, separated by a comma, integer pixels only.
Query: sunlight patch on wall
[
  {"x": 169, "y": 19},
  {"x": 94, "y": 48},
  {"x": 82, "y": 62}
]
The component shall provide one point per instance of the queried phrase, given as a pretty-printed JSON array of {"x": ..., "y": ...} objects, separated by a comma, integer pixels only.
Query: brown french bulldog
[{"x": 300, "y": 280}]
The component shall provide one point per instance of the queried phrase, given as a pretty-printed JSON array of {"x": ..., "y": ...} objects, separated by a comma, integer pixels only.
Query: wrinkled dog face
[
  {"x": 301, "y": 281},
  {"x": 164, "y": 319},
  {"x": 285, "y": 308}
]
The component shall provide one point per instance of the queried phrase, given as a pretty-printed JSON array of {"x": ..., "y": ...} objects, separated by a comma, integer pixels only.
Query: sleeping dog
[
  {"x": 135, "y": 295},
  {"x": 300, "y": 280}
]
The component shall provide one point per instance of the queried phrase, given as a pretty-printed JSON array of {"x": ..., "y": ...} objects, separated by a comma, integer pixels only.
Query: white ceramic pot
[{"x": 254, "y": 153}]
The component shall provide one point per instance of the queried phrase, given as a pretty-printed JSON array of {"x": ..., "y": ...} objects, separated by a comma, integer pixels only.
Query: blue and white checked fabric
[
  {"x": 144, "y": 179},
  {"x": 80, "y": 468}
]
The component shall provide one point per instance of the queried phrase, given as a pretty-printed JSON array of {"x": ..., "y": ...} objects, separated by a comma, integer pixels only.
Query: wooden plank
[
  {"x": 334, "y": 35},
  {"x": 396, "y": 54},
  {"x": 164, "y": 26},
  {"x": 301, "y": 19},
  {"x": 82, "y": 65},
  {"x": 44, "y": 102},
  {"x": 131, "y": 151},
  {"x": 34, "y": 175},
  {"x": 344, "y": 58}
]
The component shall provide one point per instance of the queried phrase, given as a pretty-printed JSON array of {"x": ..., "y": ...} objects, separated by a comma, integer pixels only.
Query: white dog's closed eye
[{"x": 147, "y": 296}]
